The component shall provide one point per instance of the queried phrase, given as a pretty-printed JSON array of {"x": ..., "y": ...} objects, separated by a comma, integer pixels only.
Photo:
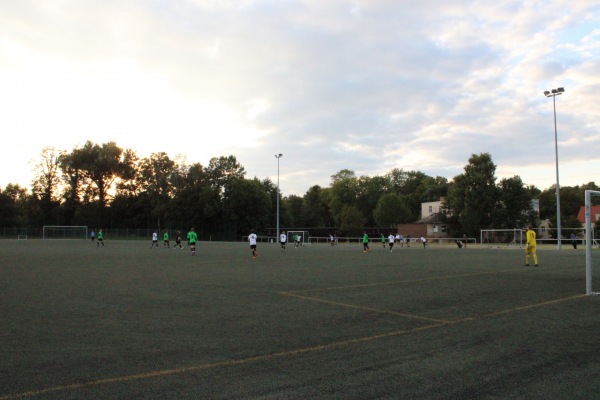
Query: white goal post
[
  {"x": 303, "y": 236},
  {"x": 64, "y": 232},
  {"x": 589, "y": 239},
  {"x": 502, "y": 237}
]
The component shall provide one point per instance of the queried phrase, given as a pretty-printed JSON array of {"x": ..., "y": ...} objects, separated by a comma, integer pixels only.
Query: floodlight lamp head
[
  {"x": 546, "y": 93},
  {"x": 554, "y": 91},
  {"x": 560, "y": 89}
]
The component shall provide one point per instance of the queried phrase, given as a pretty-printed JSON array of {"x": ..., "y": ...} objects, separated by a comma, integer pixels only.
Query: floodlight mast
[
  {"x": 553, "y": 93},
  {"x": 278, "y": 156}
]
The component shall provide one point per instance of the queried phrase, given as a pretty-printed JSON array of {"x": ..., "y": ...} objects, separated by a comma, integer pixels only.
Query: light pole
[
  {"x": 278, "y": 156},
  {"x": 553, "y": 93}
]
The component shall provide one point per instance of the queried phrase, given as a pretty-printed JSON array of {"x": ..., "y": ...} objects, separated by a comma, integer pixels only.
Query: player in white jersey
[
  {"x": 252, "y": 239},
  {"x": 283, "y": 240},
  {"x": 391, "y": 240}
]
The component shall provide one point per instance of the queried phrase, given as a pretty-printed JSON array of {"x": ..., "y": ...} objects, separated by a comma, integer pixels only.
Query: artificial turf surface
[{"x": 128, "y": 321}]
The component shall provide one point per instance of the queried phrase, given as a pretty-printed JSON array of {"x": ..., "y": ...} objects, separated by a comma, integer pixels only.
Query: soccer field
[{"x": 127, "y": 321}]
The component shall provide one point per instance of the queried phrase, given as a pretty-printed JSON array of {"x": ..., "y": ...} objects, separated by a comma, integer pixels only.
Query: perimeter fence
[{"x": 108, "y": 233}]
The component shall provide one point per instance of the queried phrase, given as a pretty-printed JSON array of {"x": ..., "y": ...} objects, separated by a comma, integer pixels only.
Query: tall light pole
[
  {"x": 278, "y": 156},
  {"x": 553, "y": 93}
]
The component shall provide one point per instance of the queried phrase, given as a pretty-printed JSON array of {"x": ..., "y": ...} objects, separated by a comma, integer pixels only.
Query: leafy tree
[
  {"x": 247, "y": 204},
  {"x": 155, "y": 173},
  {"x": 369, "y": 191},
  {"x": 514, "y": 208},
  {"x": 473, "y": 195},
  {"x": 46, "y": 183},
  {"x": 197, "y": 201},
  {"x": 315, "y": 211},
  {"x": 343, "y": 194},
  {"x": 415, "y": 187},
  {"x": 351, "y": 221},
  {"x": 221, "y": 169},
  {"x": 392, "y": 210},
  {"x": 295, "y": 205},
  {"x": 101, "y": 165},
  {"x": 73, "y": 179},
  {"x": 341, "y": 175},
  {"x": 13, "y": 202},
  {"x": 571, "y": 200}
]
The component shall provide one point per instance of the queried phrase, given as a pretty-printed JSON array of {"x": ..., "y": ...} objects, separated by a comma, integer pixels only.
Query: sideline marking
[{"x": 264, "y": 357}]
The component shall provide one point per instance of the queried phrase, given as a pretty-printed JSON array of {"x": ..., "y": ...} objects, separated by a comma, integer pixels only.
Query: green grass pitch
[{"x": 128, "y": 321}]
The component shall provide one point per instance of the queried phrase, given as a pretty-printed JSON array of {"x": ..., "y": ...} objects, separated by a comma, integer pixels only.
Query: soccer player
[
  {"x": 252, "y": 239},
  {"x": 99, "y": 239},
  {"x": 283, "y": 240},
  {"x": 154, "y": 240},
  {"x": 424, "y": 241},
  {"x": 166, "y": 240},
  {"x": 93, "y": 235},
  {"x": 391, "y": 240},
  {"x": 178, "y": 240},
  {"x": 531, "y": 245},
  {"x": 192, "y": 237},
  {"x": 383, "y": 240},
  {"x": 365, "y": 242}
]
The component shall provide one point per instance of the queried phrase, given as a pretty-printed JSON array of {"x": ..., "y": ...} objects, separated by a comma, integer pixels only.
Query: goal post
[
  {"x": 64, "y": 232},
  {"x": 302, "y": 236},
  {"x": 589, "y": 240},
  {"x": 502, "y": 237}
]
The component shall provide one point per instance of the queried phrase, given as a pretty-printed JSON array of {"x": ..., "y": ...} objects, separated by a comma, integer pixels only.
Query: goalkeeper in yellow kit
[{"x": 530, "y": 249}]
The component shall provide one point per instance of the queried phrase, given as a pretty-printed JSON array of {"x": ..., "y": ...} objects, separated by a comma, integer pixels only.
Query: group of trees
[{"x": 110, "y": 187}]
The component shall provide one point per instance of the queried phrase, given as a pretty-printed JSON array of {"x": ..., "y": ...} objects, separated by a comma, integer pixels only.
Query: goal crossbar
[
  {"x": 64, "y": 232},
  {"x": 303, "y": 236}
]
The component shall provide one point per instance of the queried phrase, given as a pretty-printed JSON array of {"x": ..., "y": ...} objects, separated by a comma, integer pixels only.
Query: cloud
[{"x": 363, "y": 85}]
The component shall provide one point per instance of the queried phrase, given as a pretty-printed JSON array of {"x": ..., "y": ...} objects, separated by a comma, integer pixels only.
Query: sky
[{"x": 366, "y": 85}]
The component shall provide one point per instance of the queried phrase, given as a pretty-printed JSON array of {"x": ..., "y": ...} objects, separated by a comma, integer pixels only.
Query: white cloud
[{"x": 364, "y": 85}]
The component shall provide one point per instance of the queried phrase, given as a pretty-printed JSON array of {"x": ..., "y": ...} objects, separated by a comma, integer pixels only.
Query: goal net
[
  {"x": 502, "y": 238},
  {"x": 592, "y": 219},
  {"x": 64, "y": 232},
  {"x": 302, "y": 237}
]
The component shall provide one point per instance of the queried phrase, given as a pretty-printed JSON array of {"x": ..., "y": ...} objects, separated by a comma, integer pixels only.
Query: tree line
[{"x": 106, "y": 186}]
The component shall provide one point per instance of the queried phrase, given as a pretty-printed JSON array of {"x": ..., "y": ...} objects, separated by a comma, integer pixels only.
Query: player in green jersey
[{"x": 192, "y": 238}]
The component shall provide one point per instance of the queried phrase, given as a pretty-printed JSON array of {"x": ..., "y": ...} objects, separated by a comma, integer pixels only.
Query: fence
[{"x": 108, "y": 234}]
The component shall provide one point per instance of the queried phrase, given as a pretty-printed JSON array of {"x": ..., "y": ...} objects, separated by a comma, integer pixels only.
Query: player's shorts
[
  {"x": 253, "y": 246},
  {"x": 530, "y": 249}
]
